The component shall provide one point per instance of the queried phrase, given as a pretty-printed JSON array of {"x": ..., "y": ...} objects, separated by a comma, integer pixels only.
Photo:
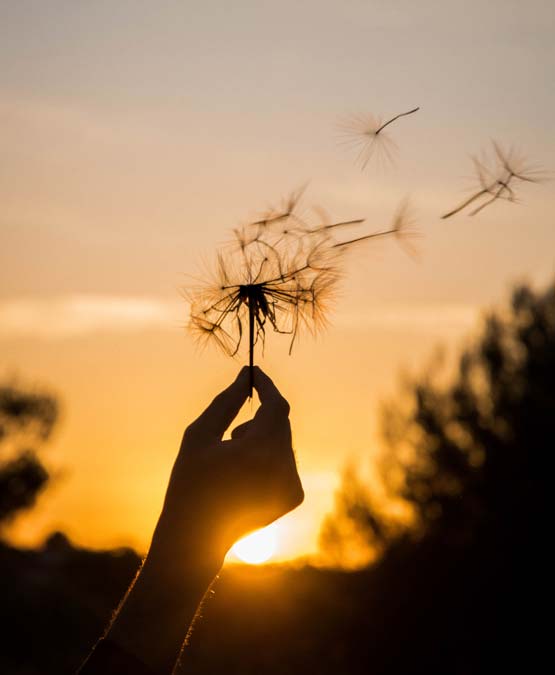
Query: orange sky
[{"x": 134, "y": 135}]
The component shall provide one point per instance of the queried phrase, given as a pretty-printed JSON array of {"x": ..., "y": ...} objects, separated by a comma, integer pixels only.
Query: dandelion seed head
[
  {"x": 283, "y": 278},
  {"x": 363, "y": 134},
  {"x": 497, "y": 174},
  {"x": 366, "y": 134}
]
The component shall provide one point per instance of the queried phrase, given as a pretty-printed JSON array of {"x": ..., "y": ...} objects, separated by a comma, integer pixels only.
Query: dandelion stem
[
  {"x": 251, "y": 343},
  {"x": 468, "y": 201},
  {"x": 373, "y": 235}
]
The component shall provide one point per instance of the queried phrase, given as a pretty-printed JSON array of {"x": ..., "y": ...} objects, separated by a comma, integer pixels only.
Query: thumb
[{"x": 240, "y": 431}]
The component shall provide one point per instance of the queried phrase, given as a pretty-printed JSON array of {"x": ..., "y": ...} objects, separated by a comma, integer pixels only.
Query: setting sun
[{"x": 257, "y": 547}]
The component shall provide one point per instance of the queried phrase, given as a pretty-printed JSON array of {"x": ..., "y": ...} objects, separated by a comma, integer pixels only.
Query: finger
[
  {"x": 241, "y": 430},
  {"x": 270, "y": 472},
  {"x": 269, "y": 428},
  {"x": 273, "y": 413},
  {"x": 267, "y": 390},
  {"x": 213, "y": 422}
]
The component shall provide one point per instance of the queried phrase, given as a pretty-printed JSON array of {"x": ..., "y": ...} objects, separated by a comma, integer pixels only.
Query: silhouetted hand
[
  {"x": 218, "y": 491},
  {"x": 221, "y": 490}
]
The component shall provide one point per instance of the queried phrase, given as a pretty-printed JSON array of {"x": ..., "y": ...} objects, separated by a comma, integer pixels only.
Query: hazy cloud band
[{"x": 82, "y": 314}]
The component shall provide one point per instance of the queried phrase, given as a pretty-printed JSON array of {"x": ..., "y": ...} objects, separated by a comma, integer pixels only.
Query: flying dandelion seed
[
  {"x": 280, "y": 272},
  {"x": 496, "y": 177},
  {"x": 367, "y": 134}
]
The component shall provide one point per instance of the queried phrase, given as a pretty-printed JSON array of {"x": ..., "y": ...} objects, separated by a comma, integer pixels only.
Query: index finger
[{"x": 213, "y": 422}]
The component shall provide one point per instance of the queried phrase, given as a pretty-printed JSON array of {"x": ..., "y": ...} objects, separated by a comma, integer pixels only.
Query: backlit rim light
[{"x": 258, "y": 547}]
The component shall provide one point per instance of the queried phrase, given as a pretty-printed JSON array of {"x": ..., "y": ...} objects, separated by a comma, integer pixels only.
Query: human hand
[
  {"x": 218, "y": 492},
  {"x": 221, "y": 490}
]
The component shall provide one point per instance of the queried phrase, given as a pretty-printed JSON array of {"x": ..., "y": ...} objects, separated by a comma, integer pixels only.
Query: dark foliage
[
  {"x": 56, "y": 602},
  {"x": 472, "y": 454},
  {"x": 24, "y": 411},
  {"x": 27, "y": 419},
  {"x": 421, "y": 610},
  {"x": 20, "y": 482},
  {"x": 471, "y": 462}
]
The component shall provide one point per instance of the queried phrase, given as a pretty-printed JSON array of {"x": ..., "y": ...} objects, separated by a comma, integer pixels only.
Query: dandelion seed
[
  {"x": 283, "y": 278},
  {"x": 367, "y": 134},
  {"x": 496, "y": 175}
]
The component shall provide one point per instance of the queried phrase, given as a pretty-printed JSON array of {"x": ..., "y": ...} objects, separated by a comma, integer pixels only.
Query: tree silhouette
[
  {"x": 468, "y": 459},
  {"x": 27, "y": 419}
]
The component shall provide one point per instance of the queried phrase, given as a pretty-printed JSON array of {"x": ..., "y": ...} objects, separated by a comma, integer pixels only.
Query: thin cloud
[
  {"x": 78, "y": 315},
  {"x": 429, "y": 318}
]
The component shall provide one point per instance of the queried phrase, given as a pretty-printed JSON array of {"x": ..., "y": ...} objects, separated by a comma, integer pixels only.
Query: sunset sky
[{"x": 135, "y": 134}]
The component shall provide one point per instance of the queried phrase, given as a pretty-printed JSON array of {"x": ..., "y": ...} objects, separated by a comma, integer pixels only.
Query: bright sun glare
[{"x": 257, "y": 547}]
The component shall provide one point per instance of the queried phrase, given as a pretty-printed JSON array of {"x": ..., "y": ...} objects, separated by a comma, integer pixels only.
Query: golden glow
[{"x": 257, "y": 547}]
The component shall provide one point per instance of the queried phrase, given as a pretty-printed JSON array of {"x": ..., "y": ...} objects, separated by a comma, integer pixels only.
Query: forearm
[{"x": 156, "y": 614}]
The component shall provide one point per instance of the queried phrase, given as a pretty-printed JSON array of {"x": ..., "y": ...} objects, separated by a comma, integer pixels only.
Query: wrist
[
  {"x": 177, "y": 574},
  {"x": 159, "y": 608},
  {"x": 181, "y": 549}
]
